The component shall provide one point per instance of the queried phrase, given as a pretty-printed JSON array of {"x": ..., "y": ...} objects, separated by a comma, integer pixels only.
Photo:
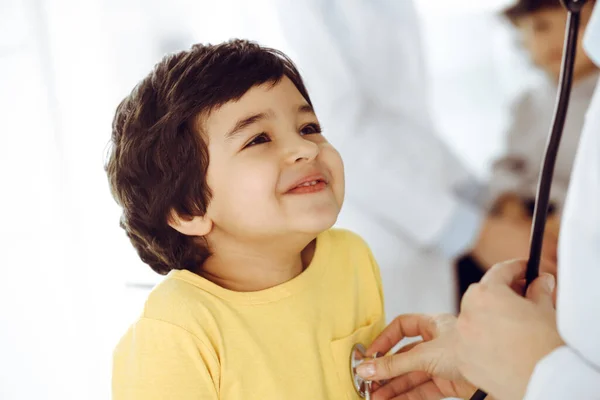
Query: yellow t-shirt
[{"x": 197, "y": 340}]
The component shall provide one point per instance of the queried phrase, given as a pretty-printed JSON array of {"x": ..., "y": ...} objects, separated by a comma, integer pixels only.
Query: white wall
[{"x": 39, "y": 339}]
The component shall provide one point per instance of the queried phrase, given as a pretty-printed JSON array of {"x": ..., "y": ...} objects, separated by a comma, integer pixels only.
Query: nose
[{"x": 298, "y": 149}]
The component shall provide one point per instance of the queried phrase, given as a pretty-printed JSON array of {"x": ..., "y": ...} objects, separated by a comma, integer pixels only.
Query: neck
[{"x": 250, "y": 266}]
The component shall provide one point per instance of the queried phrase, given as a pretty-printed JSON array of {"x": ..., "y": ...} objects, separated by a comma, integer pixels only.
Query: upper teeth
[{"x": 311, "y": 183}]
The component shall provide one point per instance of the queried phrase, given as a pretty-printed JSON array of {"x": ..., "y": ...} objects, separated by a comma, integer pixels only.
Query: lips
[{"x": 309, "y": 184}]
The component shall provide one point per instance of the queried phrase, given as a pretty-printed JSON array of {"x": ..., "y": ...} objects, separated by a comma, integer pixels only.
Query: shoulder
[
  {"x": 349, "y": 248},
  {"x": 155, "y": 355},
  {"x": 347, "y": 242},
  {"x": 169, "y": 295},
  {"x": 176, "y": 301},
  {"x": 176, "y": 314},
  {"x": 344, "y": 237}
]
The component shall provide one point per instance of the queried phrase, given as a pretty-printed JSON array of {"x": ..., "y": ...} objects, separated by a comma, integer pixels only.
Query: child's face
[
  {"x": 271, "y": 172},
  {"x": 543, "y": 35}
]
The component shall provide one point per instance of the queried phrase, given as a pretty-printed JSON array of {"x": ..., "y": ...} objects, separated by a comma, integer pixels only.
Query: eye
[
  {"x": 259, "y": 139},
  {"x": 310, "y": 129}
]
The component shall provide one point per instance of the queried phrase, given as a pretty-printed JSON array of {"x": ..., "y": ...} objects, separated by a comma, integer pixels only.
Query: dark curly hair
[
  {"x": 157, "y": 160},
  {"x": 525, "y": 7}
]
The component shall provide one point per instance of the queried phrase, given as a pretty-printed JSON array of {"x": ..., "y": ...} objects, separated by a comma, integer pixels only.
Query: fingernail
[
  {"x": 366, "y": 370},
  {"x": 550, "y": 282}
]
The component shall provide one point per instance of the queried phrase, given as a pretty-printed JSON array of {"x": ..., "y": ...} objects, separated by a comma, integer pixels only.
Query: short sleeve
[{"x": 159, "y": 360}]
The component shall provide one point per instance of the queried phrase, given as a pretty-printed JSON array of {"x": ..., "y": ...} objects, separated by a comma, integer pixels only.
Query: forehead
[{"x": 281, "y": 97}]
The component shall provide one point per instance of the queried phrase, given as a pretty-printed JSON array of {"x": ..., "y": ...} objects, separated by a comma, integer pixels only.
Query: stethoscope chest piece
[{"x": 357, "y": 356}]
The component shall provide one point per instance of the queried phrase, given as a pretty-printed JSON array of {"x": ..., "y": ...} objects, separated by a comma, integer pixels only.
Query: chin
[{"x": 318, "y": 222}]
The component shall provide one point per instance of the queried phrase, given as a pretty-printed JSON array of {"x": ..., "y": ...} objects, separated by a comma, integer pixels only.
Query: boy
[
  {"x": 513, "y": 186},
  {"x": 229, "y": 188}
]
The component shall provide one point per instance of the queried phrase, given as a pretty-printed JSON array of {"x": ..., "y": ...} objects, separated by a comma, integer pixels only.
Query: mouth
[{"x": 309, "y": 184}]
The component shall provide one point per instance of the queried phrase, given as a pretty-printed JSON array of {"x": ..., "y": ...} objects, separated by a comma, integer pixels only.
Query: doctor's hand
[
  {"x": 423, "y": 370},
  {"x": 501, "y": 335},
  {"x": 498, "y": 338}
]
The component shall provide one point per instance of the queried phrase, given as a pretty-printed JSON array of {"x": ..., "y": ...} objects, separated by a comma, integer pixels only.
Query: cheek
[
  {"x": 332, "y": 159},
  {"x": 243, "y": 189},
  {"x": 255, "y": 185}
]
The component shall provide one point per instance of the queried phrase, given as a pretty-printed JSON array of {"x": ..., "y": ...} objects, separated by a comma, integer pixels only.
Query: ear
[{"x": 190, "y": 226}]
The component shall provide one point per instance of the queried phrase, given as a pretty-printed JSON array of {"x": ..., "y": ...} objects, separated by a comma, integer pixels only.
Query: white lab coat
[
  {"x": 573, "y": 371},
  {"x": 362, "y": 63}
]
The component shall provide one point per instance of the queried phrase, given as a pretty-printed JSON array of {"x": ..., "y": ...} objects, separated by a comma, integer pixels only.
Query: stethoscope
[{"x": 358, "y": 353}]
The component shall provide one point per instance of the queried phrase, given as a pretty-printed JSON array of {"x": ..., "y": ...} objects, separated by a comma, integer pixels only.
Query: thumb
[
  {"x": 541, "y": 290},
  {"x": 394, "y": 365}
]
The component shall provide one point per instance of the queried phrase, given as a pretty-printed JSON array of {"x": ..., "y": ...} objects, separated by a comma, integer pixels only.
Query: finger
[
  {"x": 416, "y": 359},
  {"x": 404, "y": 349},
  {"x": 505, "y": 273},
  {"x": 401, "y": 385},
  {"x": 408, "y": 325},
  {"x": 409, "y": 347},
  {"x": 541, "y": 290}
]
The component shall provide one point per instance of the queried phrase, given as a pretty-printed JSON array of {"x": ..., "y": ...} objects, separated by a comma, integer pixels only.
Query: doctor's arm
[
  {"x": 573, "y": 372},
  {"x": 362, "y": 64}
]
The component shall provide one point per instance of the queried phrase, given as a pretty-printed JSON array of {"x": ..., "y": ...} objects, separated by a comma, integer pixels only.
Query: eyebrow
[
  {"x": 244, "y": 123},
  {"x": 252, "y": 119},
  {"x": 306, "y": 109}
]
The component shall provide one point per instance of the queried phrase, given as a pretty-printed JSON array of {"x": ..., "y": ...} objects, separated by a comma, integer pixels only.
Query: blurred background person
[{"x": 513, "y": 184}]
